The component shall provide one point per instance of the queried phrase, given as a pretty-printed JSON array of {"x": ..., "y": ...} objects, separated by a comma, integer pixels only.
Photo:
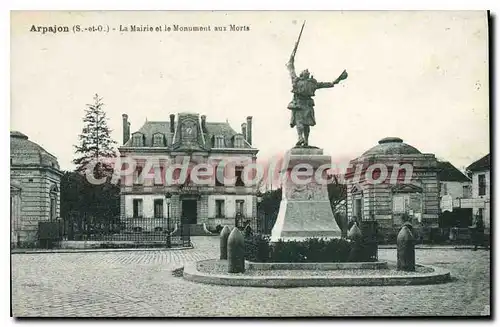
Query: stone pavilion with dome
[
  {"x": 34, "y": 188},
  {"x": 386, "y": 201}
]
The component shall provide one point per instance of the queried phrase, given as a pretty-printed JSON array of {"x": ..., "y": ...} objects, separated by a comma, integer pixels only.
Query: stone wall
[{"x": 34, "y": 200}]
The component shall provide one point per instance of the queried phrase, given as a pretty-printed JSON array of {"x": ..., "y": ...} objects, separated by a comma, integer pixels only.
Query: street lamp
[
  {"x": 168, "y": 196},
  {"x": 260, "y": 220}
]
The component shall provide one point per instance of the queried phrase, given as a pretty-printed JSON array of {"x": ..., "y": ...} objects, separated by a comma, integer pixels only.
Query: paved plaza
[{"x": 141, "y": 283}]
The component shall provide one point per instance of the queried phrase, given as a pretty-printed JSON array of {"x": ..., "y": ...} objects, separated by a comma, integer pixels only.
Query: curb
[
  {"x": 314, "y": 265},
  {"x": 437, "y": 247},
  {"x": 438, "y": 276},
  {"x": 99, "y": 250}
]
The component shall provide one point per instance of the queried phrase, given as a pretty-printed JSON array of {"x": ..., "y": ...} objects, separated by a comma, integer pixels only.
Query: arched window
[
  {"x": 53, "y": 202},
  {"x": 158, "y": 140}
]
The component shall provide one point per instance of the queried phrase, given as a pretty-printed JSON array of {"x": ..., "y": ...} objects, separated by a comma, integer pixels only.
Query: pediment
[
  {"x": 15, "y": 187},
  {"x": 188, "y": 135},
  {"x": 355, "y": 189}
]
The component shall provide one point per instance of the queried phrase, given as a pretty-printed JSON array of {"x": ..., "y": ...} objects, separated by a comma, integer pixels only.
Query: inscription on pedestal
[{"x": 305, "y": 210}]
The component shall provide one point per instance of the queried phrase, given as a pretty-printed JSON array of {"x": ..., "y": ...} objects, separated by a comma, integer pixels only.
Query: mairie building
[{"x": 157, "y": 194}]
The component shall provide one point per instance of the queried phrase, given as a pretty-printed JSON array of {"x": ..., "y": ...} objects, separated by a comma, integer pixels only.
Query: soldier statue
[{"x": 302, "y": 105}]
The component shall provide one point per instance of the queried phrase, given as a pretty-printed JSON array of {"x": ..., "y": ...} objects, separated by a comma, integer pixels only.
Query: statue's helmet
[{"x": 304, "y": 74}]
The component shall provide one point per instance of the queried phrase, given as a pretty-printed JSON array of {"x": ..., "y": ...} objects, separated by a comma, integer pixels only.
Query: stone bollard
[
  {"x": 224, "y": 234},
  {"x": 236, "y": 252},
  {"x": 406, "y": 248},
  {"x": 356, "y": 236}
]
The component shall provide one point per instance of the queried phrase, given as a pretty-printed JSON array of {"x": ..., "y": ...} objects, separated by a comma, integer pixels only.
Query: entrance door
[
  {"x": 358, "y": 209},
  {"x": 189, "y": 211}
]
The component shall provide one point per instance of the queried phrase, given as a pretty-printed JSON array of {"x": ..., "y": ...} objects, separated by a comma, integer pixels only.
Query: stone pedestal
[{"x": 305, "y": 209}]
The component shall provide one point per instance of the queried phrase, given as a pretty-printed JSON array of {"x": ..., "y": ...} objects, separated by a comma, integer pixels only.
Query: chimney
[
  {"x": 244, "y": 130},
  {"x": 204, "y": 123},
  {"x": 249, "y": 130},
  {"x": 172, "y": 123},
  {"x": 126, "y": 128}
]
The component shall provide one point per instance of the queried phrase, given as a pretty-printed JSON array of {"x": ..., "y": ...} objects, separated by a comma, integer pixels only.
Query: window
[
  {"x": 137, "y": 208},
  {"x": 158, "y": 140},
  {"x": 219, "y": 175},
  {"x": 445, "y": 188},
  {"x": 138, "y": 175},
  {"x": 219, "y": 208},
  {"x": 158, "y": 208},
  {"x": 239, "y": 176},
  {"x": 53, "y": 202},
  {"x": 358, "y": 209},
  {"x": 466, "y": 191},
  {"x": 138, "y": 140},
  {"x": 238, "y": 141},
  {"x": 219, "y": 183},
  {"x": 400, "y": 203},
  {"x": 482, "y": 184},
  {"x": 52, "y": 208},
  {"x": 159, "y": 173},
  {"x": 219, "y": 141},
  {"x": 240, "y": 207}
]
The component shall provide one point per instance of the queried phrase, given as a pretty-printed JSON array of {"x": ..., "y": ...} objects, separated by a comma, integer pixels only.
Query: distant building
[
  {"x": 453, "y": 182},
  {"x": 480, "y": 173},
  {"x": 414, "y": 190},
  {"x": 34, "y": 188},
  {"x": 146, "y": 204}
]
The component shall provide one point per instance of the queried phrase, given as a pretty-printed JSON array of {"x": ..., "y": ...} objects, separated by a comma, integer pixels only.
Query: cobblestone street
[{"x": 141, "y": 283}]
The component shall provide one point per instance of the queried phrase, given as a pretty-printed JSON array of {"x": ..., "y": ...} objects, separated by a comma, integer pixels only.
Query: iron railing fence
[{"x": 165, "y": 231}]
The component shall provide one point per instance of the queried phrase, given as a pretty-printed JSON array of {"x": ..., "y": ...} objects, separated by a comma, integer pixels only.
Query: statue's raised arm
[
  {"x": 323, "y": 85},
  {"x": 290, "y": 65},
  {"x": 291, "y": 68}
]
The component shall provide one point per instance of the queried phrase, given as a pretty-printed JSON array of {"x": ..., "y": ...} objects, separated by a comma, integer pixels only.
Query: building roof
[
  {"x": 213, "y": 128},
  {"x": 449, "y": 173},
  {"x": 481, "y": 164},
  {"x": 391, "y": 145},
  {"x": 24, "y": 152},
  {"x": 223, "y": 129},
  {"x": 150, "y": 128}
]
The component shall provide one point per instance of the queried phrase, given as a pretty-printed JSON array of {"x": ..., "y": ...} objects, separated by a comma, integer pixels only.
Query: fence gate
[
  {"x": 133, "y": 232},
  {"x": 49, "y": 232}
]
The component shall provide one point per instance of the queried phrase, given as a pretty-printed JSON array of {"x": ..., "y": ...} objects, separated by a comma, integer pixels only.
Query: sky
[{"x": 420, "y": 76}]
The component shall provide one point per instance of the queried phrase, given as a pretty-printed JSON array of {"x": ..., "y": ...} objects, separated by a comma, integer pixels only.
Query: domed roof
[
  {"x": 23, "y": 152},
  {"x": 391, "y": 145}
]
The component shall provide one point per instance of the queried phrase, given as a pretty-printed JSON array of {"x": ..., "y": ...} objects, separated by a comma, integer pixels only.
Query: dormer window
[
  {"x": 138, "y": 139},
  {"x": 219, "y": 141},
  {"x": 239, "y": 141},
  {"x": 158, "y": 140}
]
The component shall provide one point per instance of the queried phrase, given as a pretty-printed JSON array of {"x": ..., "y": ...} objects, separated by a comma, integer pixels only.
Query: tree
[
  {"x": 269, "y": 208},
  {"x": 80, "y": 199},
  {"x": 337, "y": 192},
  {"x": 96, "y": 145}
]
